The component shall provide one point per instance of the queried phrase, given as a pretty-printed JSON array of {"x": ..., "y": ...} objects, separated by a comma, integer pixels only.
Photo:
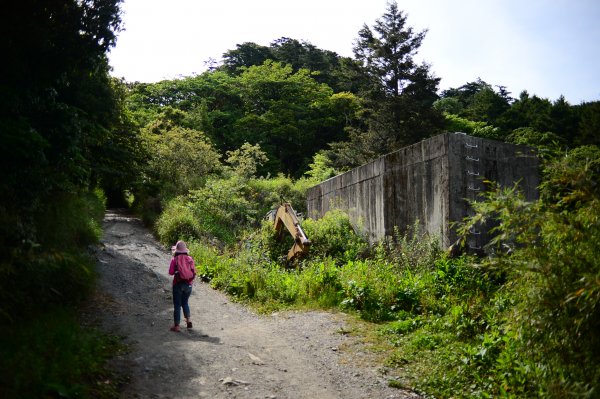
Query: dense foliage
[
  {"x": 54, "y": 356},
  {"x": 287, "y": 113},
  {"x": 225, "y": 209},
  {"x": 60, "y": 120},
  {"x": 205, "y": 157},
  {"x": 495, "y": 114},
  {"x": 63, "y": 135}
]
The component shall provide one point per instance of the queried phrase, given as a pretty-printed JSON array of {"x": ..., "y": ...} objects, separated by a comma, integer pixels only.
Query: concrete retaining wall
[{"x": 430, "y": 181}]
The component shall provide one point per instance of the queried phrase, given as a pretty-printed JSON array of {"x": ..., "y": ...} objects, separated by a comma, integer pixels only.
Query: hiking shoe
[
  {"x": 175, "y": 328},
  {"x": 189, "y": 324}
]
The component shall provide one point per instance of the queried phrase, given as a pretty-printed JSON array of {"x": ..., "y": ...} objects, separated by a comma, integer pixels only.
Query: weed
[{"x": 396, "y": 384}]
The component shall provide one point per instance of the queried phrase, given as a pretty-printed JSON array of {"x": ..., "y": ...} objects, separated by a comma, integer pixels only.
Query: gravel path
[{"x": 231, "y": 352}]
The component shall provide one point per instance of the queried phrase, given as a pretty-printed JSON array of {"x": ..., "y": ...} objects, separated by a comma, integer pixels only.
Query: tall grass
[
  {"x": 339, "y": 272},
  {"x": 443, "y": 321},
  {"x": 422, "y": 300}
]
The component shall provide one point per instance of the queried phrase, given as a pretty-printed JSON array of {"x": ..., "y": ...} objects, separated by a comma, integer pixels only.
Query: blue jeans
[{"x": 181, "y": 294}]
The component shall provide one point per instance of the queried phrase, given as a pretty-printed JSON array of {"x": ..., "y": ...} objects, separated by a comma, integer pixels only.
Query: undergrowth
[
  {"x": 46, "y": 352},
  {"x": 224, "y": 210},
  {"x": 53, "y": 356},
  {"x": 521, "y": 322}
]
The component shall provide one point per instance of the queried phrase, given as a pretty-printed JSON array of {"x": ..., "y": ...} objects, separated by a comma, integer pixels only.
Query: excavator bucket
[{"x": 285, "y": 216}]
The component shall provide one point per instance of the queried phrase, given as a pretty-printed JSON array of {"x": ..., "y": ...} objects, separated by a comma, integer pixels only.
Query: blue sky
[{"x": 547, "y": 47}]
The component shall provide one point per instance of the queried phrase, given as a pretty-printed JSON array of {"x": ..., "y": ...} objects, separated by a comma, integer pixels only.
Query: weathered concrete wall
[
  {"x": 430, "y": 181},
  {"x": 359, "y": 192},
  {"x": 474, "y": 160},
  {"x": 415, "y": 188}
]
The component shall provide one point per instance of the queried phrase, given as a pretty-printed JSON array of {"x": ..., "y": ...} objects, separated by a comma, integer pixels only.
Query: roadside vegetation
[
  {"x": 204, "y": 158},
  {"x": 63, "y": 139},
  {"x": 47, "y": 349},
  {"x": 517, "y": 323}
]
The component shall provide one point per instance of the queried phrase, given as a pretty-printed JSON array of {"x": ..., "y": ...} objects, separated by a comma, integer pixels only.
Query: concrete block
[{"x": 431, "y": 181}]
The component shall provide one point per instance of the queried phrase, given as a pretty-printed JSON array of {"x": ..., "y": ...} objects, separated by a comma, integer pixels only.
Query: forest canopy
[{"x": 295, "y": 100}]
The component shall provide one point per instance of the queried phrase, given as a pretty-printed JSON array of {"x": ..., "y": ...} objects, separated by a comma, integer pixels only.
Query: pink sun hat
[{"x": 180, "y": 248}]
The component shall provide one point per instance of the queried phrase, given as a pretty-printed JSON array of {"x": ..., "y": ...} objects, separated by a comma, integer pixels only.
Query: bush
[
  {"x": 179, "y": 159},
  {"x": 376, "y": 289},
  {"x": 519, "y": 323},
  {"x": 57, "y": 270},
  {"x": 255, "y": 272},
  {"x": 52, "y": 279},
  {"x": 178, "y": 222},
  {"x": 270, "y": 193},
  {"x": 548, "y": 144},
  {"x": 553, "y": 270},
  {"x": 334, "y": 236},
  {"x": 331, "y": 275},
  {"x": 225, "y": 208},
  {"x": 331, "y": 237},
  {"x": 71, "y": 220},
  {"x": 217, "y": 211},
  {"x": 45, "y": 351}
]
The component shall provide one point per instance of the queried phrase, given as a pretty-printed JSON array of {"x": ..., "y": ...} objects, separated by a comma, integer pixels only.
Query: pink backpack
[{"x": 184, "y": 266}]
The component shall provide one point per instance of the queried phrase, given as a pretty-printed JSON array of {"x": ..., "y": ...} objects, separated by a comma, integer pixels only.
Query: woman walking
[{"x": 183, "y": 271}]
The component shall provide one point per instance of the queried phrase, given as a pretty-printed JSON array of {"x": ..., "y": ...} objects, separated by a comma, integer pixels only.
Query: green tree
[
  {"x": 486, "y": 106},
  {"x": 290, "y": 115},
  {"x": 57, "y": 107},
  {"x": 246, "y": 160},
  {"x": 542, "y": 115},
  {"x": 565, "y": 120},
  {"x": 400, "y": 93},
  {"x": 180, "y": 159},
  {"x": 211, "y": 102},
  {"x": 455, "y": 123},
  {"x": 548, "y": 144},
  {"x": 117, "y": 158},
  {"x": 478, "y": 101},
  {"x": 304, "y": 55},
  {"x": 339, "y": 73},
  {"x": 529, "y": 111},
  {"x": 589, "y": 125},
  {"x": 387, "y": 53},
  {"x": 321, "y": 169},
  {"x": 246, "y": 55},
  {"x": 481, "y": 102},
  {"x": 450, "y": 105},
  {"x": 287, "y": 113}
]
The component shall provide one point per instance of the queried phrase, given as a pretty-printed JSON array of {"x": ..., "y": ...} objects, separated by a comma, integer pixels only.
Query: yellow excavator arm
[{"x": 286, "y": 216}]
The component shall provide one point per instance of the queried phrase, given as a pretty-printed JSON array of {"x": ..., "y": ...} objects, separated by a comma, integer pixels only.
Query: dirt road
[{"x": 231, "y": 352}]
